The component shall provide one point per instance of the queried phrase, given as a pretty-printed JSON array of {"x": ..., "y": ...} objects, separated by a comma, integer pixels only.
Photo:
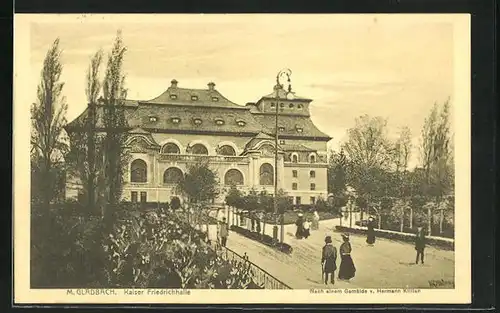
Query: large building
[{"x": 169, "y": 132}]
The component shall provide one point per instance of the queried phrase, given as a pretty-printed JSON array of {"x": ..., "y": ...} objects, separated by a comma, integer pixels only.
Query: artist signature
[{"x": 441, "y": 283}]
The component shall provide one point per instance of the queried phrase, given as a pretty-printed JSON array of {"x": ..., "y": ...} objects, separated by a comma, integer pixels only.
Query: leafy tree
[
  {"x": 48, "y": 143},
  {"x": 251, "y": 200},
  {"x": 283, "y": 201},
  {"x": 369, "y": 153},
  {"x": 337, "y": 172},
  {"x": 200, "y": 183},
  {"x": 86, "y": 156},
  {"x": 235, "y": 198},
  {"x": 115, "y": 124},
  {"x": 436, "y": 155}
]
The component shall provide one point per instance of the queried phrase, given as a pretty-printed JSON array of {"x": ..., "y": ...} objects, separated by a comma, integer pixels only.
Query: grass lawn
[{"x": 291, "y": 216}]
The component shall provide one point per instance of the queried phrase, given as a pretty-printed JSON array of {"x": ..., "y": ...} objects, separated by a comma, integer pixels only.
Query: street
[{"x": 387, "y": 264}]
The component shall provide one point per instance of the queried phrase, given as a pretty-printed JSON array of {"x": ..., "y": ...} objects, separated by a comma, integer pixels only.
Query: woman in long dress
[
  {"x": 370, "y": 234},
  {"x": 347, "y": 269},
  {"x": 300, "y": 226}
]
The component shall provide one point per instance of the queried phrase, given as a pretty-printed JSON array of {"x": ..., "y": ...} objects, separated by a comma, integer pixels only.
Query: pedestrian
[
  {"x": 329, "y": 260},
  {"x": 347, "y": 269},
  {"x": 307, "y": 227},
  {"x": 300, "y": 226},
  {"x": 315, "y": 221},
  {"x": 258, "y": 218},
  {"x": 420, "y": 244},
  {"x": 370, "y": 234},
  {"x": 223, "y": 232}
]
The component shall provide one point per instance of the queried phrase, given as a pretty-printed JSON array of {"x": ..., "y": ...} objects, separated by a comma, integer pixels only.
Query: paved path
[{"x": 387, "y": 264}]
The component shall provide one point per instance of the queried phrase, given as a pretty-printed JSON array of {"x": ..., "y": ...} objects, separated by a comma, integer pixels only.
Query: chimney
[
  {"x": 173, "y": 83},
  {"x": 211, "y": 86}
]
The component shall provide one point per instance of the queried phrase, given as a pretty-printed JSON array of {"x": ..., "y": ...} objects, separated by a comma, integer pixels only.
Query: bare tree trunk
[
  {"x": 441, "y": 218},
  {"x": 429, "y": 224},
  {"x": 402, "y": 220},
  {"x": 411, "y": 217}
]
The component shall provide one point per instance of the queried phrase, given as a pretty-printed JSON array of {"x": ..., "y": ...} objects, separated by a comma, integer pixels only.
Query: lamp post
[{"x": 283, "y": 73}]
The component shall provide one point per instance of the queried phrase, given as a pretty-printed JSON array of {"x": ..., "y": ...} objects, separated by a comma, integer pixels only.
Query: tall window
[
  {"x": 313, "y": 186},
  {"x": 294, "y": 186},
  {"x": 312, "y": 158},
  {"x": 312, "y": 174},
  {"x": 312, "y": 200},
  {"x": 171, "y": 148},
  {"x": 297, "y": 200},
  {"x": 138, "y": 171},
  {"x": 233, "y": 177},
  {"x": 172, "y": 175},
  {"x": 133, "y": 196},
  {"x": 266, "y": 174},
  {"x": 294, "y": 173},
  {"x": 226, "y": 150},
  {"x": 144, "y": 197},
  {"x": 295, "y": 158},
  {"x": 199, "y": 149}
]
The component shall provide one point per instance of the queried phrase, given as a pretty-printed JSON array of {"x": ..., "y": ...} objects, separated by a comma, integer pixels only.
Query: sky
[{"x": 349, "y": 65}]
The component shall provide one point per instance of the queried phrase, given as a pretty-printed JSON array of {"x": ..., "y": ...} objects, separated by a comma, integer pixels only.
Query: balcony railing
[{"x": 195, "y": 157}]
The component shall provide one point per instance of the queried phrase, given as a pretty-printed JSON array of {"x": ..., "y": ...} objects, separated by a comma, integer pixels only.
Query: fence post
[{"x": 411, "y": 217}]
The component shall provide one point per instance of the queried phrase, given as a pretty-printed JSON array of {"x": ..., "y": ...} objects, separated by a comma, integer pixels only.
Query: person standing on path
[
  {"x": 223, "y": 232},
  {"x": 347, "y": 269},
  {"x": 315, "y": 221},
  {"x": 307, "y": 227},
  {"x": 329, "y": 260},
  {"x": 300, "y": 226},
  {"x": 420, "y": 244},
  {"x": 370, "y": 234}
]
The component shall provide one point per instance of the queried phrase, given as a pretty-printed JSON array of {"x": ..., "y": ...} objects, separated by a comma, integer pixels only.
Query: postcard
[{"x": 242, "y": 158}]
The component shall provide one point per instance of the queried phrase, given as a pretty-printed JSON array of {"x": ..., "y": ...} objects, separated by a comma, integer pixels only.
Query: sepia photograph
[{"x": 201, "y": 158}]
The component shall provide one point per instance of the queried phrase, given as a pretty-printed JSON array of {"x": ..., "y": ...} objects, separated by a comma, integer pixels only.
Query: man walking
[
  {"x": 329, "y": 260},
  {"x": 223, "y": 232},
  {"x": 420, "y": 244}
]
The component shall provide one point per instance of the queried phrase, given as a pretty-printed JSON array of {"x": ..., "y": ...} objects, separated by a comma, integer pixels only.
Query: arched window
[
  {"x": 138, "y": 171},
  {"x": 312, "y": 158},
  {"x": 199, "y": 149},
  {"x": 172, "y": 175},
  {"x": 266, "y": 174},
  {"x": 171, "y": 148},
  {"x": 295, "y": 158},
  {"x": 233, "y": 177},
  {"x": 226, "y": 150}
]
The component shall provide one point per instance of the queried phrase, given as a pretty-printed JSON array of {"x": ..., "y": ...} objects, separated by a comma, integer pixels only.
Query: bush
[
  {"x": 406, "y": 237},
  {"x": 264, "y": 239}
]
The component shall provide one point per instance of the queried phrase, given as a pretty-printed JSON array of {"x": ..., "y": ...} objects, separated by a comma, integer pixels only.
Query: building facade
[{"x": 175, "y": 129}]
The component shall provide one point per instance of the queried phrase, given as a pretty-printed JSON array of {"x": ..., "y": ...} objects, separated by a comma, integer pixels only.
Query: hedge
[
  {"x": 443, "y": 243},
  {"x": 264, "y": 239}
]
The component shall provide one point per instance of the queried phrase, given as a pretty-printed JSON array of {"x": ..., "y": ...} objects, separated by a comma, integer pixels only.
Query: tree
[
  {"x": 48, "y": 143},
  {"x": 85, "y": 155},
  {"x": 115, "y": 125},
  {"x": 200, "y": 183},
  {"x": 368, "y": 151},
  {"x": 283, "y": 201},
  {"x": 337, "y": 172},
  {"x": 235, "y": 198},
  {"x": 436, "y": 154},
  {"x": 367, "y": 145}
]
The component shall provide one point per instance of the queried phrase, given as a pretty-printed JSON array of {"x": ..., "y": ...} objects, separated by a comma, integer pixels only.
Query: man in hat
[
  {"x": 329, "y": 260},
  {"x": 223, "y": 232},
  {"x": 420, "y": 244},
  {"x": 300, "y": 226}
]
